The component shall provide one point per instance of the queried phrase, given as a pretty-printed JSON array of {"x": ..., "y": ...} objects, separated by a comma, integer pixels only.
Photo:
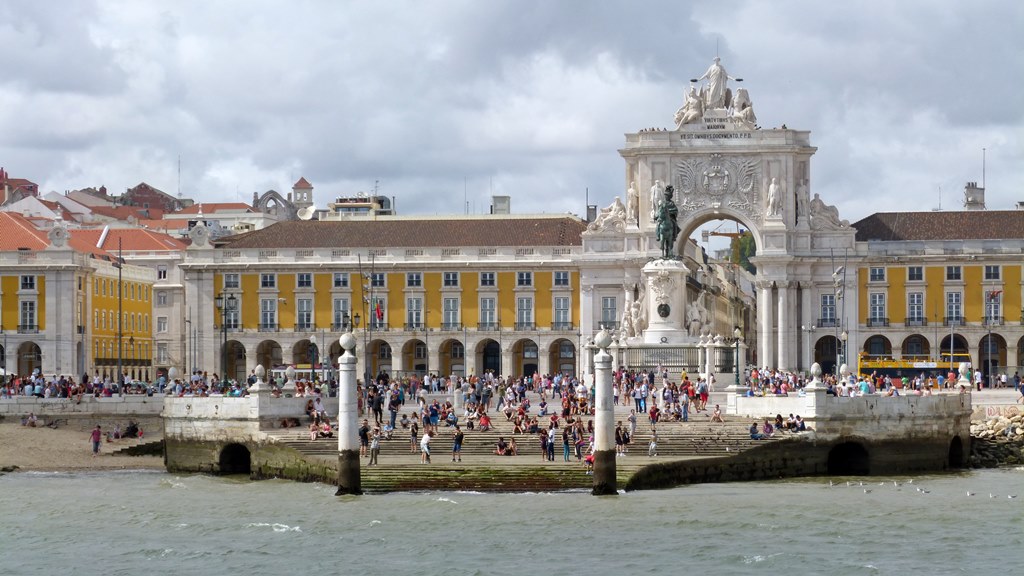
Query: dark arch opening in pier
[
  {"x": 848, "y": 459},
  {"x": 956, "y": 453},
  {"x": 235, "y": 459}
]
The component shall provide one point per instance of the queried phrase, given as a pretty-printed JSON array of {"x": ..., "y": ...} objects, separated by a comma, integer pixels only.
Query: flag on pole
[
  {"x": 379, "y": 311},
  {"x": 993, "y": 295}
]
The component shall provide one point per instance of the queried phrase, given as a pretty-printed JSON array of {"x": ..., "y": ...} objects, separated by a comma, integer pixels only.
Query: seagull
[
  {"x": 866, "y": 491},
  {"x": 919, "y": 489},
  {"x": 895, "y": 484},
  {"x": 831, "y": 484},
  {"x": 926, "y": 491},
  {"x": 911, "y": 481},
  {"x": 861, "y": 483},
  {"x": 991, "y": 495},
  {"x": 1011, "y": 495},
  {"x": 969, "y": 493}
]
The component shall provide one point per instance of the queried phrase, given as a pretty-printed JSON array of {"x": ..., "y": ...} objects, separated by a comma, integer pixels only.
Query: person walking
[
  {"x": 457, "y": 439},
  {"x": 96, "y": 436},
  {"x": 374, "y": 446},
  {"x": 425, "y": 446}
]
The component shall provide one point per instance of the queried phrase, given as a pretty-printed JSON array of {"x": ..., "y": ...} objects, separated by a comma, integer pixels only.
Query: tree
[{"x": 742, "y": 250}]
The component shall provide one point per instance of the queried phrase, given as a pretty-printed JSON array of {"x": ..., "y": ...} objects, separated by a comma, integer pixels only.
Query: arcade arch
[
  {"x": 525, "y": 357},
  {"x": 915, "y": 347},
  {"x": 269, "y": 355},
  {"x": 562, "y": 357}
]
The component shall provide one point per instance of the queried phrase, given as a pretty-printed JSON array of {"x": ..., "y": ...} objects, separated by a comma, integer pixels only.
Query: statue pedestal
[{"x": 666, "y": 302}]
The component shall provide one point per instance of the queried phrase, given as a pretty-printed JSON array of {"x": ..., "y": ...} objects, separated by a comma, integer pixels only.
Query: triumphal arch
[{"x": 715, "y": 162}]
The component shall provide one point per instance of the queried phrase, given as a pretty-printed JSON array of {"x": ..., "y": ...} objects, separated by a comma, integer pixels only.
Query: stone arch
[
  {"x": 234, "y": 459},
  {"x": 305, "y": 351},
  {"x": 915, "y": 346},
  {"x": 877, "y": 345},
  {"x": 525, "y": 357},
  {"x": 235, "y": 359},
  {"x": 380, "y": 357},
  {"x": 271, "y": 202},
  {"x": 688, "y": 224},
  {"x": 991, "y": 354},
  {"x": 563, "y": 357},
  {"x": 955, "y": 458},
  {"x": 959, "y": 346},
  {"x": 451, "y": 355},
  {"x": 415, "y": 356},
  {"x": 30, "y": 357},
  {"x": 849, "y": 459},
  {"x": 269, "y": 355},
  {"x": 826, "y": 353},
  {"x": 335, "y": 352},
  {"x": 488, "y": 356}
]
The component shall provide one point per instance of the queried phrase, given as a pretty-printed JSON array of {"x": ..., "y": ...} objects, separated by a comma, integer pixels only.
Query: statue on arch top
[{"x": 717, "y": 94}]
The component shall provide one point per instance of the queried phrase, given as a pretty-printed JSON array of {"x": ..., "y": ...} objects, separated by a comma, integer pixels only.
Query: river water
[{"x": 146, "y": 523}]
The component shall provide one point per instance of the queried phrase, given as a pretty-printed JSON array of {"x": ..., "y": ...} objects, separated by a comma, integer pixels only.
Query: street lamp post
[
  {"x": 808, "y": 331},
  {"x": 736, "y": 360},
  {"x": 224, "y": 305},
  {"x": 842, "y": 348}
]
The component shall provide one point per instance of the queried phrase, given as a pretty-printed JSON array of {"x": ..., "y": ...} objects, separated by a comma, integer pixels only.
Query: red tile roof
[
  {"x": 303, "y": 184},
  {"x": 214, "y": 207},
  {"x": 951, "y": 225},
  {"x": 17, "y": 232},
  {"x": 553, "y": 231},
  {"x": 125, "y": 212},
  {"x": 132, "y": 239}
]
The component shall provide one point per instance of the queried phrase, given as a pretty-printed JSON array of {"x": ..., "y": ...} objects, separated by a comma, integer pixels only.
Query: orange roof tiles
[
  {"x": 132, "y": 239},
  {"x": 303, "y": 184}
]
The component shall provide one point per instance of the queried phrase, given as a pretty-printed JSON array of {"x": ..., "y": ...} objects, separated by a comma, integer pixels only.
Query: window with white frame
[
  {"x": 563, "y": 316},
  {"x": 566, "y": 350},
  {"x": 828, "y": 309},
  {"x": 876, "y": 306},
  {"x": 161, "y": 352},
  {"x": 268, "y": 280},
  {"x": 524, "y": 278},
  {"x": 609, "y": 312},
  {"x": 378, "y": 313},
  {"x": 915, "y": 306},
  {"x": 28, "y": 282},
  {"x": 450, "y": 280},
  {"x": 341, "y": 313},
  {"x": 384, "y": 351},
  {"x": 378, "y": 280},
  {"x": 161, "y": 272},
  {"x": 993, "y": 306},
  {"x": 341, "y": 279},
  {"x": 561, "y": 278},
  {"x": 414, "y": 280},
  {"x": 268, "y": 313},
  {"x": 954, "y": 306},
  {"x": 414, "y": 312},
  {"x": 232, "y": 318},
  {"x": 231, "y": 281},
  {"x": 28, "y": 314},
  {"x": 487, "y": 278},
  {"x": 161, "y": 323},
  {"x": 304, "y": 314},
  {"x": 876, "y": 274},
  {"x": 488, "y": 312},
  {"x": 530, "y": 350},
  {"x": 450, "y": 312},
  {"x": 420, "y": 351},
  {"x": 953, "y": 273},
  {"x": 992, "y": 272},
  {"x": 458, "y": 351},
  {"x": 304, "y": 280},
  {"x": 524, "y": 311}
]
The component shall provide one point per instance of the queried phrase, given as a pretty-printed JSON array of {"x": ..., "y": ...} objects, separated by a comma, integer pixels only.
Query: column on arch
[
  {"x": 765, "y": 315},
  {"x": 785, "y": 333},
  {"x": 806, "y": 319}
]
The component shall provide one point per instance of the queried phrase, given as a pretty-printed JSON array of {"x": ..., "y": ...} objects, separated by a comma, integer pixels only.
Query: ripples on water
[{"x": 134, "y": 523}]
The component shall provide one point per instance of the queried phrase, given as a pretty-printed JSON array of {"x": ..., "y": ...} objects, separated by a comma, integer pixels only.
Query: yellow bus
[{"x": 909, "y": 367}]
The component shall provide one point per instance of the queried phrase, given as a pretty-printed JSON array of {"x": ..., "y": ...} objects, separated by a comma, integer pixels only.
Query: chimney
[{"x": 974, "y": 197}]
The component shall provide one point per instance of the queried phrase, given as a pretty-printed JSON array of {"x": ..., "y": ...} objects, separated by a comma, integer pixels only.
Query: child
[{"x": 652, "y": 450}]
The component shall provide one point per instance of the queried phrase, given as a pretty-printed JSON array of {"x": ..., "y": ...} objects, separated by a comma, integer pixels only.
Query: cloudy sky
[{"x": 445, "y": 100}]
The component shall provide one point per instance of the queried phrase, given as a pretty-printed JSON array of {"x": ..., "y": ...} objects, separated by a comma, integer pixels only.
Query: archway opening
[
  {"x": 956, "y": 453},
  {"x": 826, "y": 354},
  {"x": 268, "y": 355},
  {"x": 849, "y": 459},
  {"x": 30, "y": 358},
  {"x": 235, "y": 358},
  {"x": 414, "y": 357},
  {"x": 915, "y": 347},
  {"x": 562, "y": 357},
  {"x": 235, "y": 459}
]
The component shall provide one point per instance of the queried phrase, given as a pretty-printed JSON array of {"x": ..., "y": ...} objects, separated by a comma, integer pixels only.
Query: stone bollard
[
  {"x": 604, "y": 425},
  {"x": 349, "y": 481}
]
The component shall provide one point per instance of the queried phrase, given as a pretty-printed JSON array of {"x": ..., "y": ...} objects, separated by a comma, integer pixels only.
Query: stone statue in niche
[
  {"x": 628, "y": 329},
  {"x": 774, "y": 198},
  {"x": 633, "y": 204},
  {"x": 825, "y": 217},
  {"x": 801, "y": 200},
  {"x": 614, "y": 216},
  {"x": 657, "y": 192},
  {"x": 667, "y": 228}
]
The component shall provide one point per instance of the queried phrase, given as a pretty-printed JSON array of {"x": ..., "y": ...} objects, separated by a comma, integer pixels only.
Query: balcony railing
[
  {"x": 525, "y": 326},
  {"x": 493, "y": 326},
  {"x": 993, "y": 320},
  {"x": 303, "y": 326},
  {"x": 340, "y": 326},
  {"x": 412, "y": 326},
  {"x": 264, "y": 327},
  {"x": 953, "y": 321},
  {"x": 28, "y": 328},
  {"x": 451, "y": 326},
  {"x": 915, "y": 322},
  {"x": 878, "y": 322},
  {"x": 379, "y": 326},
  {"x": 233, "y": 327},
  {"x": 562, "y": 326},
  {"x": 607, "y": 325},
  {"x": 827, "y": 323}
]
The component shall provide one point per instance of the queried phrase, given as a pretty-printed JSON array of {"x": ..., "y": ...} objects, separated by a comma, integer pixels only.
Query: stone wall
[{"x": 131, "y": 405}]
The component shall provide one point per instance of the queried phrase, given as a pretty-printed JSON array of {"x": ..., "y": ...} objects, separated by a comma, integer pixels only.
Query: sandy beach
[{"x": 64, "y": 449}]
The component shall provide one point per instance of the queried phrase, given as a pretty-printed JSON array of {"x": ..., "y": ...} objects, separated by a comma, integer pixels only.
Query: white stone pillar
[
  {"x": 666, "y": 282},
  {"x": 785, "y": 326},
  {"x": 348, "y": 420},
  {"x": 806, "y": 341},
  {"x": 764, "y": 323},
  {"x": 604, "y": 416}
]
